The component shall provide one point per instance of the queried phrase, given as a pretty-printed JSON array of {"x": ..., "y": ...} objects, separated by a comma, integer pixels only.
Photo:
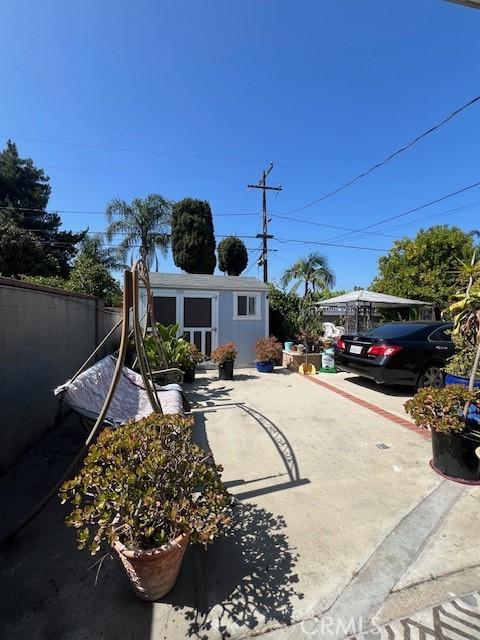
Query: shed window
[
  {"x": 165, "y": 309},
  {"x": 246, "y": 306}
]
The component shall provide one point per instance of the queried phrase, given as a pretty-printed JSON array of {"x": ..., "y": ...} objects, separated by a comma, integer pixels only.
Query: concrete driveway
[{"x": 340, "y": 525}]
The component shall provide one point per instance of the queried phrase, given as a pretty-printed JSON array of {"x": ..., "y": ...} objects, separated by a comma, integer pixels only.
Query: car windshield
[{"x": 396, "y": 330}]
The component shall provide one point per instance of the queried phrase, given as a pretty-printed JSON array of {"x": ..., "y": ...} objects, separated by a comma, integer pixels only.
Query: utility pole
[{"x": 262, "y": 184}]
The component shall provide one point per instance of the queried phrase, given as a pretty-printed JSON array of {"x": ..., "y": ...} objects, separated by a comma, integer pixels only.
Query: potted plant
[
  {"x": 190, "y": 358},
  {"x": 267, "y": 351},
  {"x": 309, "y": 339},
  {"x": 224, "y": 356},
  {"x": 455, "y": 432},
  {"x": 147, "y": 490}
]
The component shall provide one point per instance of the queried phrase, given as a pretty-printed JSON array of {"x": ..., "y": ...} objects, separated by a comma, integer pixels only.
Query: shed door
[{"x": 198, "y": 324}]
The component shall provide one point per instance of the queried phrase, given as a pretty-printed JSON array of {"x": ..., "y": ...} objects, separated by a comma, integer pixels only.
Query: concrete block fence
[{"x": 45, "y": 335}]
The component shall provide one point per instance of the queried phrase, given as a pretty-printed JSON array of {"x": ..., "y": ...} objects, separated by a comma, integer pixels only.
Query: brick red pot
[{"x": 153, "y": 572}]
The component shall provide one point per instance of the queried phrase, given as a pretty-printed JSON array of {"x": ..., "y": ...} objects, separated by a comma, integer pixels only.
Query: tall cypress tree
[
  {"x": 24, "y": 194},
  {"x": 193, "y": 240}
]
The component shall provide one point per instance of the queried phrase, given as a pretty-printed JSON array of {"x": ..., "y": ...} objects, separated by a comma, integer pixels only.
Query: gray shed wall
[{"x": 243, "y": 332}]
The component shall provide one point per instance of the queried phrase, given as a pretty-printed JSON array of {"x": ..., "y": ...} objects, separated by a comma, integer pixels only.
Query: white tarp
[{"x": 365, "y": 297}]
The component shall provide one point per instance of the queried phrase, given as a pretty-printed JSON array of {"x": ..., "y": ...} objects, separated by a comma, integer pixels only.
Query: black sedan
[{"x": 407, "y": 353}]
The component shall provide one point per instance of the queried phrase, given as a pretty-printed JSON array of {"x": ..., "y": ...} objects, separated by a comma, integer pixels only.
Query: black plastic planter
[
  {"x": 189, "y": 375},
  {"x": 454, "y": 456},
  {"x": 225, "y": 370}
]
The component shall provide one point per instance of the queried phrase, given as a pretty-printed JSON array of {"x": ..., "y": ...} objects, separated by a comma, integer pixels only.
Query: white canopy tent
[{"x": 357, "y": 307}]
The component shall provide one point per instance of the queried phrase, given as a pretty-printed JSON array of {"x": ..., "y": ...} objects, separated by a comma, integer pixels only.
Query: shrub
[
  {"x": 268, "y": 349},
  {"x": 145, "y": 483},
  {"x": 224, "y": 352},
  {"x": 461, "y": 363},
  {"x": 442, "y": 409}
]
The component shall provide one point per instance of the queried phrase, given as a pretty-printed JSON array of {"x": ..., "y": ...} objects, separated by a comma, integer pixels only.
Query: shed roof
[
  {"x": 367, "y": 296},
  {"x": 206, "y": 282}
]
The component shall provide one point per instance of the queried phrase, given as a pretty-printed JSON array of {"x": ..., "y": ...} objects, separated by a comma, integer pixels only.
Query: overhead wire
[{"x": 389, "y": 157}]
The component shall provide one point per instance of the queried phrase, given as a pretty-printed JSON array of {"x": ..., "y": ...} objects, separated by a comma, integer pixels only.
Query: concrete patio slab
[{"x": 337, "y": 514}]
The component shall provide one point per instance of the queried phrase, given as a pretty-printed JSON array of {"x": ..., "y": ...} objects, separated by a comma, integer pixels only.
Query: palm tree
[
  {"x": 145, "y": 225},
  {"x": 313, "y": 271}
]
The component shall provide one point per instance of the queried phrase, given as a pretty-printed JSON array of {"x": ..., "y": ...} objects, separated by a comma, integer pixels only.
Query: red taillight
[
  {"x": 383, "y": 350},
  {"x": 341, "y": 345}
]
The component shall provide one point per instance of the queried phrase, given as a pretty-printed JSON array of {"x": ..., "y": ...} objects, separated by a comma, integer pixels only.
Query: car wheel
[{"x": 431, "y": 377}]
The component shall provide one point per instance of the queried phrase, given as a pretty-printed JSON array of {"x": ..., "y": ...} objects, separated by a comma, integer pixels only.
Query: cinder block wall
[{"x": 45, "y": 335}]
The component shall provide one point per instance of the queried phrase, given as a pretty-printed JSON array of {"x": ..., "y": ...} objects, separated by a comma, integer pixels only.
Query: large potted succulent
[
  {"x": 224, "y": 356},
  {"x": 147, "y": 490},
  {"x": 267, "y": 352},
  {"x": 451, "y": 415}
]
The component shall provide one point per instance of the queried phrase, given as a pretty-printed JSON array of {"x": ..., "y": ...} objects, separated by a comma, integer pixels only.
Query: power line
[
  {"x": 143, "y": 173},
  {"x": 406, "y": 213},
  {"x": 330, "y": 244},
  {"x": 132, "y": 150},
  {"x": 328, "y": 226},
  {"x": 388, "y": 158},
  {"x": 100, "y": 213}
]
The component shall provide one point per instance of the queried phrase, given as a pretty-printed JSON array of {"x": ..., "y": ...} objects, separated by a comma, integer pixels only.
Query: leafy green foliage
[
  {"x": 22, "y": 252},
  {"x": 232, "y": 256},
  {"x": 24, "y": 194},
  {"x": 173, "y": 351},
  {"x": 224, "y": 353},
  {"x": 313, "y": 271},
  {"x": 92, "y": 277},
  {"x": 461, "y": 363},
  {"x": 144, "y": 484},
  {"x": 144, "y": 223},
  {"x": 193, "y": 240},
  {"x": 89, "y": 275},
  {"x": 425, "y": 267},
  {"x": 284, "y": 313},
  {"x": 442, "y": 409},
  {"x": 268, "y": 349}
]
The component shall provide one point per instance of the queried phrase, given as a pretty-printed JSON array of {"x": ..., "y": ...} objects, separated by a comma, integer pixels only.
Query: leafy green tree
[
  {"x": 426, "y": 267},
  {"x": 144, "y": 225},
  {"x": 313, "y": 271},
  {"x": 92, "y": 277},
  {"x": 93, "y": 247},
  {"x": 193, "y": 240},
  {"x": 24, "y": 194},
  {"x": 232, "y": 256},
  {"x": 90, "y": 273},
  {"x": 22, "y": 252},
  {"x": 285, "y": 312}
]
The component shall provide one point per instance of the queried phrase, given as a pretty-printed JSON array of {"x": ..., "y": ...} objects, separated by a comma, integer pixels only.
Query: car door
[{"x": 441, "y": 345}]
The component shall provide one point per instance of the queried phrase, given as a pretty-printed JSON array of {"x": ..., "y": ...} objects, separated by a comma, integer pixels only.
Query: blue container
[
  {"x": 265, "y": 366},
  {"x": 288, "y": 346},
  {"x": 451, "y": 379}
]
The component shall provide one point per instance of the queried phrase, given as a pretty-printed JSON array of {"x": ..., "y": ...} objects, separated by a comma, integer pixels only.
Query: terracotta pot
[{"x": 153, "y": 573}]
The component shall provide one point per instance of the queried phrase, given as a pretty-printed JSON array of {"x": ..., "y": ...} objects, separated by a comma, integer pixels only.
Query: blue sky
[{"x": 194, "y": 98}]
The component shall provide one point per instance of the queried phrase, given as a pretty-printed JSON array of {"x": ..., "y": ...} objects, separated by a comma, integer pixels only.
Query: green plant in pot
[
  {"x": 455, "y": 432},
  {"x": 267, "y": 352},
  {"x": 147, "y": 490},
  {"x": 189, "y": 360},
  {"x": 224, "y": 356}
]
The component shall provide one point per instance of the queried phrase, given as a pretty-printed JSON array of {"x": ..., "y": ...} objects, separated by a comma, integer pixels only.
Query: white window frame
[{"x": 247, "y": 294}]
